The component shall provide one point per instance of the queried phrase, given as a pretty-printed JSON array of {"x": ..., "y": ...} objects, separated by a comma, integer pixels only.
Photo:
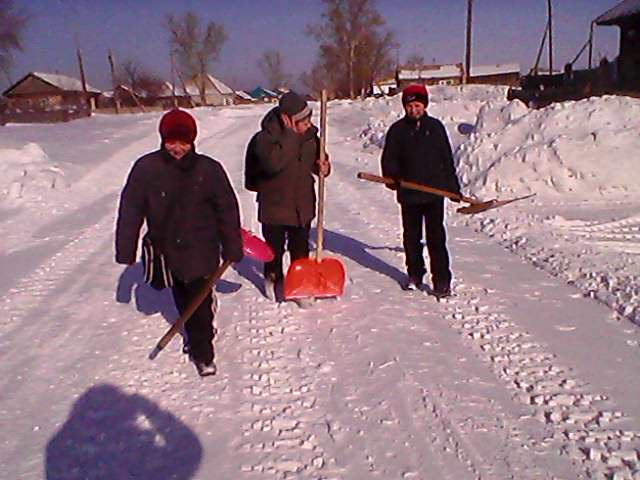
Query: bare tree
[
  {"x": 12, "y": 25},
  {"x": 141, "y": 81},
  {"x": 195, "y": 46},
  {"x": 354, "y": 46},
  {"x": 415, "y": 60},
  {"x": 316, "y": 80},
  {"x": 272, "y": 66}
]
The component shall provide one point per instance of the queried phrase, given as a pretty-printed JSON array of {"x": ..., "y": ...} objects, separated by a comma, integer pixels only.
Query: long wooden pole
[
  {"x": 191, "y": 308},
  {"x": 83, "y": 79},
  {"x": 591, "y": 45},
  {"x": 467, "y": 60},
  {"x": 114, "y": 82},
  {"x": 550, "y": 38},
  {"x": 323, "y": 157}
]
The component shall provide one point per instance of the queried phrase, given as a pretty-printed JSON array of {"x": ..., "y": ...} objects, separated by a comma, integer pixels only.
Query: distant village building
[
  {"x": 46, "y": 98},
  {"x": 217, "y": 93},
  {"x": 452, "y": 74},
  {"x": 39, "y": 91},
  {"x": 263, "y": 94},
  {"x": 626, "y": 16},
  {"x": 243, "y": 98},
  {"x": 501, "y": 74},
  {"x": 384, "y": 87}
]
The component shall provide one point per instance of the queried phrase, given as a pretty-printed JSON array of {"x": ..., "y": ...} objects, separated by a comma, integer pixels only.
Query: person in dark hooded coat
[
  {"x": 192, "y": 218},
  {"x": 281, "y": 161}
]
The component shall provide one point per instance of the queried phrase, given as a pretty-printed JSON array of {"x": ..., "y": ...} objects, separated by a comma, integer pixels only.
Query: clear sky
[{"x": 505, "y": 31}]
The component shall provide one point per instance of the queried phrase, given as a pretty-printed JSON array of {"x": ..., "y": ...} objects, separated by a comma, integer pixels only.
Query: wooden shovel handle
[
  {"x": 323, "y": 157},
  {"x": 191, "y": 308},
  {"x": 416, "y": 186}
]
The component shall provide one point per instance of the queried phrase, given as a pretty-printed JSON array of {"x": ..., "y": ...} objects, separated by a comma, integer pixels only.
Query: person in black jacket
[
  {"x": 282, "y": 158},
  {"x": 192, "y": 218},
  {"x": 417, "y": 149}
]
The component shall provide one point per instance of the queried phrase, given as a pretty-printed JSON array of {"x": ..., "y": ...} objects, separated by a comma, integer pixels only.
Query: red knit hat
[
  {"x": 178, "y": 125},
  {"x": 415, "y": 93}
]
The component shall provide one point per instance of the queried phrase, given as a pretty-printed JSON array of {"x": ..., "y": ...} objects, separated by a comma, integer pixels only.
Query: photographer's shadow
[{"x": 112, "y": 434}]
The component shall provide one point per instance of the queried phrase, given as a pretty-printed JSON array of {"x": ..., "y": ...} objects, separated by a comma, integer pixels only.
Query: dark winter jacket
[
  {"x": 287, "y": 162},
  {"x": 419, "y": 151},
  {"x": 190, "y": 209}
]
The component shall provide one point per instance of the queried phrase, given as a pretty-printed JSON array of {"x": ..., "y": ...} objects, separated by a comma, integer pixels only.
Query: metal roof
[
  {"x": 63, "y": 82},
  {"x": 499, "y": 69},
  {"x": 436, "y": 71},
  {"x": 623, "y": 10}
]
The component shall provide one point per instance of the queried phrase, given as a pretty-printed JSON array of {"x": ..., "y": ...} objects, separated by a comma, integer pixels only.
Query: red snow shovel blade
[
  {"x": 308, "y": 277},
  {"x": 256, "y": 248}
]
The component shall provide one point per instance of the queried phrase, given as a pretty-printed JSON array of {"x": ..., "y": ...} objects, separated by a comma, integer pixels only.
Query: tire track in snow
[
  {"x": 584, "y": 424},
  {"x": 283, "y": 434},
  {"x": 458, "y": 444}
]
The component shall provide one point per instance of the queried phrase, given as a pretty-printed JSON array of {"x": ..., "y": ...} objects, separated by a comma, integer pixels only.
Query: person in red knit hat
[
  {"x": 192, "y": 219},
  {"x": 417, "y": 149}
]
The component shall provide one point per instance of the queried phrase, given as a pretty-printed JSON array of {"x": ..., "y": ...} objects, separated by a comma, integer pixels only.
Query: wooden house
[
  {"x": 263, "y": 94},
  {"x": 39, "y": 91},
  {"x": 626, "y": 16},
  {"x": 450, "y": 74},
  {"x": 216, "y": 92},
  {"x": 500, "y": 74}
]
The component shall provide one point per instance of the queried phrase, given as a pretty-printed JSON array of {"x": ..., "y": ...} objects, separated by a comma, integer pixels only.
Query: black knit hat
[{"x": 295, "y": 106}]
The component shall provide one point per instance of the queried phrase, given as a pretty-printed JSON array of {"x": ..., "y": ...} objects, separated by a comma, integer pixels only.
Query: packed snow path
[{"x": 517, "y": 376}]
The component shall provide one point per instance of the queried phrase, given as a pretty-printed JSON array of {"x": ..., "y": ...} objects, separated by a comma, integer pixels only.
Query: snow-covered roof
[
  {"x": 223, "y": 88},
  {"x": 260, "y": 92},
  {"x": 621, "y": 11},
  {"x": 499, "y": 69},
  {"x": 386, "y": 82},
  {"x": 63, "y": 82},
  {"x": 435, "y": 71},
  {"x": 244, "y": 95}
]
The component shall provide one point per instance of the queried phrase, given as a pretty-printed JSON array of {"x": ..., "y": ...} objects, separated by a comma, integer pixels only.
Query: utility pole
[
  {"x": 114, "y": 84},
  {"x": 173, "y": 81},
  {"x": 591, "y": 45},
  {"x": 467, "y": 60},
  {"x": 83, "y": 79},
  {"x": 550, "y": 38}
]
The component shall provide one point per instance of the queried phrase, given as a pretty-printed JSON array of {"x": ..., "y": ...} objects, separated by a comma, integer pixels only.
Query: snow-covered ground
[{"x": 530, "y": 371}]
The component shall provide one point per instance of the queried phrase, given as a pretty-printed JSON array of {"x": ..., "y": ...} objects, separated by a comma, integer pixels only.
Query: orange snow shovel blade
[{"x": 308, "y": 277}]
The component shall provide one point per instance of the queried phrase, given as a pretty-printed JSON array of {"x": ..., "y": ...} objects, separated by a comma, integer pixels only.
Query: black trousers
[
  {"x": 297, "y": 243},
  {"x": 431, "y": 215},
  {"x": 200, "y": 326}
]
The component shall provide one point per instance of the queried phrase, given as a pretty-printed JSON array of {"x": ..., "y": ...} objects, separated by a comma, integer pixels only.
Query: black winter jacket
[
  {"x": 190, "y": 208},
  {"x": 419, "y": 151},
  {"x": 287, "y": 162}
]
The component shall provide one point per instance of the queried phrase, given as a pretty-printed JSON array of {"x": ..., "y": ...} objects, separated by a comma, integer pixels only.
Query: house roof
[
  {"x": 430, "y": 71},
  {"x": 223, "y": 88},
  {"x": 622, "y": 11},
  {"x": 260, "y": 92},
  {"x": 62, "y": 82},
  {"x": 218, "y": 84},
  {"x": 499, "y": 69},
  {"x": 244, "y": 95}
]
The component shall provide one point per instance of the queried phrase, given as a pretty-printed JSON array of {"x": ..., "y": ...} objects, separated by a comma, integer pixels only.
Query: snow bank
[
  {"x": 576, "y": 148},
  {"x": 27, "y": 169}
]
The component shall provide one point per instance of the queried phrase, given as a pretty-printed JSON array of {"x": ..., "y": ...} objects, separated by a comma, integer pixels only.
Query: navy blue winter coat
[{"x": 420, "y": 152}]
